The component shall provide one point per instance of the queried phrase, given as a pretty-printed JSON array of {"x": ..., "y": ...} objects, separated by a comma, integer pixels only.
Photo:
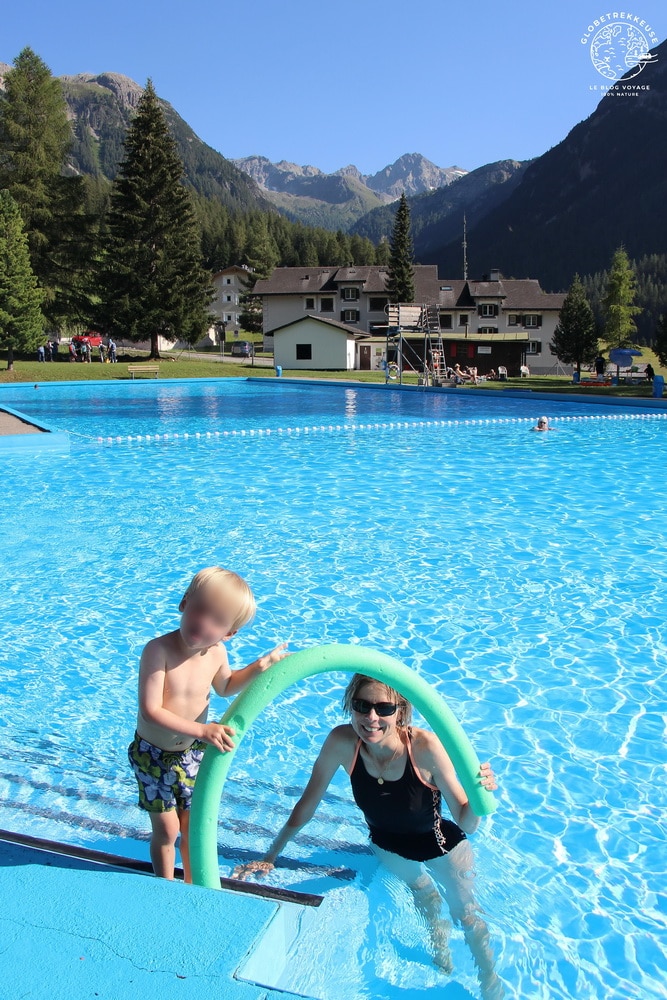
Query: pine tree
[
  {"x": 152, "y": 283},
  {"x": 21, "y": 320},
  {"x": 400, "y": 283},
  {"x": 660, "y": 344},
  {"x": 619, "y": 302},
  {"x": 383, "y": 252},
  {"x": 35, "y": 136},
  {"x": 575, "y": 340},
  {"x": 261, "y": 257}
]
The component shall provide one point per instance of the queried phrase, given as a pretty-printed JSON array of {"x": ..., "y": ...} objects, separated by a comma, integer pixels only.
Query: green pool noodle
[{"x": 267, "y": 686}]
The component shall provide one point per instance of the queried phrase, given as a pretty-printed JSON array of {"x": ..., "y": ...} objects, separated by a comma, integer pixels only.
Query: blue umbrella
[{"x": 622, "y": 356}]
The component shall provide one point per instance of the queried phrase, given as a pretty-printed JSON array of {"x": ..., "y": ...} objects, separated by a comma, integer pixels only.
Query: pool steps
[{"x": 80, "y": 923}]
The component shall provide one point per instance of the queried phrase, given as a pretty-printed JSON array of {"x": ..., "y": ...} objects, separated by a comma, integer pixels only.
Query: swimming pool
[{"x": 522, "y": 574}]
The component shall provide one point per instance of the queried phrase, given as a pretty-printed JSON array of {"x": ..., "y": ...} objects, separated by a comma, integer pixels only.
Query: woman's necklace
[{"x": 383, "y": 770}]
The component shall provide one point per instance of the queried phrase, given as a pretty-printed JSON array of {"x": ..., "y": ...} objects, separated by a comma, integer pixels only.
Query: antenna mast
[{"x": 465, "y": 249}]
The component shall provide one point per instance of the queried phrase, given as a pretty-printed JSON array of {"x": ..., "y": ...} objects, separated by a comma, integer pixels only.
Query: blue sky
[{"x": 332, "y": 84}]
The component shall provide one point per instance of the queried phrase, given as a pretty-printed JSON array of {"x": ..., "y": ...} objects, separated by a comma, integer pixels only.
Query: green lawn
[
  {"x": 170, "y": 367},
  {"x": 183, "y": 366}
]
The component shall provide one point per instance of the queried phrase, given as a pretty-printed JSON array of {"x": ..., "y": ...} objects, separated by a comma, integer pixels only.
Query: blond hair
[
  {"x": 404, "y": 711},
  {"x": 230, "y": 588}
]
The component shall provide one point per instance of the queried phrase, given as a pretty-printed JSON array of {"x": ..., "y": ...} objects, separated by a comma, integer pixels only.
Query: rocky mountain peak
[
  {"x": 126, "y": 91},
  {"x": 413, "y": 174}
]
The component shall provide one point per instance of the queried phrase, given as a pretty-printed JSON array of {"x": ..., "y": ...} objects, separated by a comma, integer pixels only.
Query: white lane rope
[{"x": 258, "y": 432}]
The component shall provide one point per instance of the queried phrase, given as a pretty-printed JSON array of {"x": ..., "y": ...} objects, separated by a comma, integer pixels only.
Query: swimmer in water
[{"x": 401, "y": 776}]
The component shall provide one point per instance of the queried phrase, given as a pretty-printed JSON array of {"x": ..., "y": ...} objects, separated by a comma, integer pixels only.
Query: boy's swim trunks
[{"x": 165, "y": 778}]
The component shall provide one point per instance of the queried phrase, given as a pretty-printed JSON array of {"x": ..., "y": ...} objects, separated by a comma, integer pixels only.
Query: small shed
[{"x": 313, "y": 343}]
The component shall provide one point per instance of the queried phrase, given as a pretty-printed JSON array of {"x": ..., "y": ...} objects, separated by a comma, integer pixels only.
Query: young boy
[{"x": 176, "y": 673}]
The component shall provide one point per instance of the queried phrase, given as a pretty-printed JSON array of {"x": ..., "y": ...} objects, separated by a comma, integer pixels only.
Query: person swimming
[{"x": 400, "y": 775}]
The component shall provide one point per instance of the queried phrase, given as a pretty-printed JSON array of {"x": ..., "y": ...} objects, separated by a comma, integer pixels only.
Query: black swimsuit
[{"x": 403, "y": 816}]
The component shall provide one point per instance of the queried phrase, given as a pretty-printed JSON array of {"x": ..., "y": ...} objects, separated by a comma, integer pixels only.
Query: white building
[
  {"x": 315, "y": 343},
  {"x": 230, "y": 285},
  {"x": 491, "y": 322}
]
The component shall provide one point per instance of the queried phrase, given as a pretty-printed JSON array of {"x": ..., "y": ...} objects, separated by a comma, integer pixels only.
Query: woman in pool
[{"x": 398, "y": 775}]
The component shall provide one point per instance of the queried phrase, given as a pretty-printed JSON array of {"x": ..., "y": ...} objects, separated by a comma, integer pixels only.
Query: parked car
[
  {"x": 91, "y": 337},
  {"x": 242, "y": 349}
]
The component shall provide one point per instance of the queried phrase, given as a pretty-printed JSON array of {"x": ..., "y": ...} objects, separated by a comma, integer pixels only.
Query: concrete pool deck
[
  {"x": 73, "y": 928},
  {"x": 9, "y": 424},
  {"x": 23, "y": 435}
]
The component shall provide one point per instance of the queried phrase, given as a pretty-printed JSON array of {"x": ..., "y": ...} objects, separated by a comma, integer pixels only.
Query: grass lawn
[
  {"x": 170, "y": 367},
  {"x": 183, "y": 366}
]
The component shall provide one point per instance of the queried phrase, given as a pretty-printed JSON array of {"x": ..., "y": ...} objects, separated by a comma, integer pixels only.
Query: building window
[
  {"x": 377, "y": 305},
  {"x": 532, "y": 321},
  {"x": 310, "y": 305},
  {"x": 228, "y": 281},
  {"x": 487, "y": 329},
  {"x": 228, "y": 318},
  {"x": 534, "y": 347},
  {"x": 228, "y": 298},
  {"x": 488, "y": 309},
  {"x": 445, "y": 321},
  {"x": 350, "y": 315},
  {"x": 512, "y": 319},
  {"x": 304, "y": 352},
  {"x": 463, "y": 319},
  {"x": 350, "y": 294},
  {"x": 326, "y": 305}
]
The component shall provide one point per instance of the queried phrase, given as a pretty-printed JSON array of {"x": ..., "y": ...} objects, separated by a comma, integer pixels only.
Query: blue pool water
[{"x": 522, "y": 574}]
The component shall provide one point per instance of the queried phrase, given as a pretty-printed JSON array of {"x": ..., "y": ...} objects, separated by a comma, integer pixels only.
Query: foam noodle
[{"x": 267, "y": 686}]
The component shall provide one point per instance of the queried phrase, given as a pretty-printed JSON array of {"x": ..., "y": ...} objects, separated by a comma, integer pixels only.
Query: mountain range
[
  {"x": 604, "y": 185},
  {"x": 439, "y": 214},
  {"x": 100, "y": 108},
  {"x": 337, "y": 200}
]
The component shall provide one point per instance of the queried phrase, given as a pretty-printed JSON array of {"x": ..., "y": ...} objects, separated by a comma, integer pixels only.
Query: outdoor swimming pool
[{"x": 522, "y": 574}]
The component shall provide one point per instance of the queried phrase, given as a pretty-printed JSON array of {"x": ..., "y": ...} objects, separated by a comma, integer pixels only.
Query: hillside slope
[
  {"x": 604, "y": 185},
  {"x": 100, "y": 108}
]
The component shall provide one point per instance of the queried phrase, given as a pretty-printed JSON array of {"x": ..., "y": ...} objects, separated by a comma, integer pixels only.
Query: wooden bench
[{"x": 143, "y": 369}]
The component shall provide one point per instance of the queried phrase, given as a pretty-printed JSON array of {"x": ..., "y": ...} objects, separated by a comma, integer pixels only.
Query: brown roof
[
  {"x": 343, "y": 327},
  {"x": 527, "y": 294},
  {"x": 297, "y": 280},
  {"x": 234, "y": 269},
  {"x": 302, "y": 280},
  {"x": 519, "y": 294},
  {"x": 454, "y": 294},
  {"x": 489, "y": 289}
]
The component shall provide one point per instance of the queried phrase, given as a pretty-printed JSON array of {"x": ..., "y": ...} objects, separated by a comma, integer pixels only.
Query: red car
[{"x": 91, "y": 336}]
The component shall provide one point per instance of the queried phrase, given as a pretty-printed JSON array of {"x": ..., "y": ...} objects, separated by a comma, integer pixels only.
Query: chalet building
[{"x": 486, "y": 323}]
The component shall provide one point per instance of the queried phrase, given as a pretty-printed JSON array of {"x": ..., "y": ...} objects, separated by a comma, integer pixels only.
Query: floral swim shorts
[{"x": 165, "y": 777}]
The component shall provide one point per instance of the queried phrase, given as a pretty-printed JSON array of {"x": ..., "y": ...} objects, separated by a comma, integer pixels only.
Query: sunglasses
[{"x": 382, "y": 708}]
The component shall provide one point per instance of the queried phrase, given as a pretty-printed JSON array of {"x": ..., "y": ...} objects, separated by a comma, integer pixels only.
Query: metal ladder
[{"x": 435, "y": 362}]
